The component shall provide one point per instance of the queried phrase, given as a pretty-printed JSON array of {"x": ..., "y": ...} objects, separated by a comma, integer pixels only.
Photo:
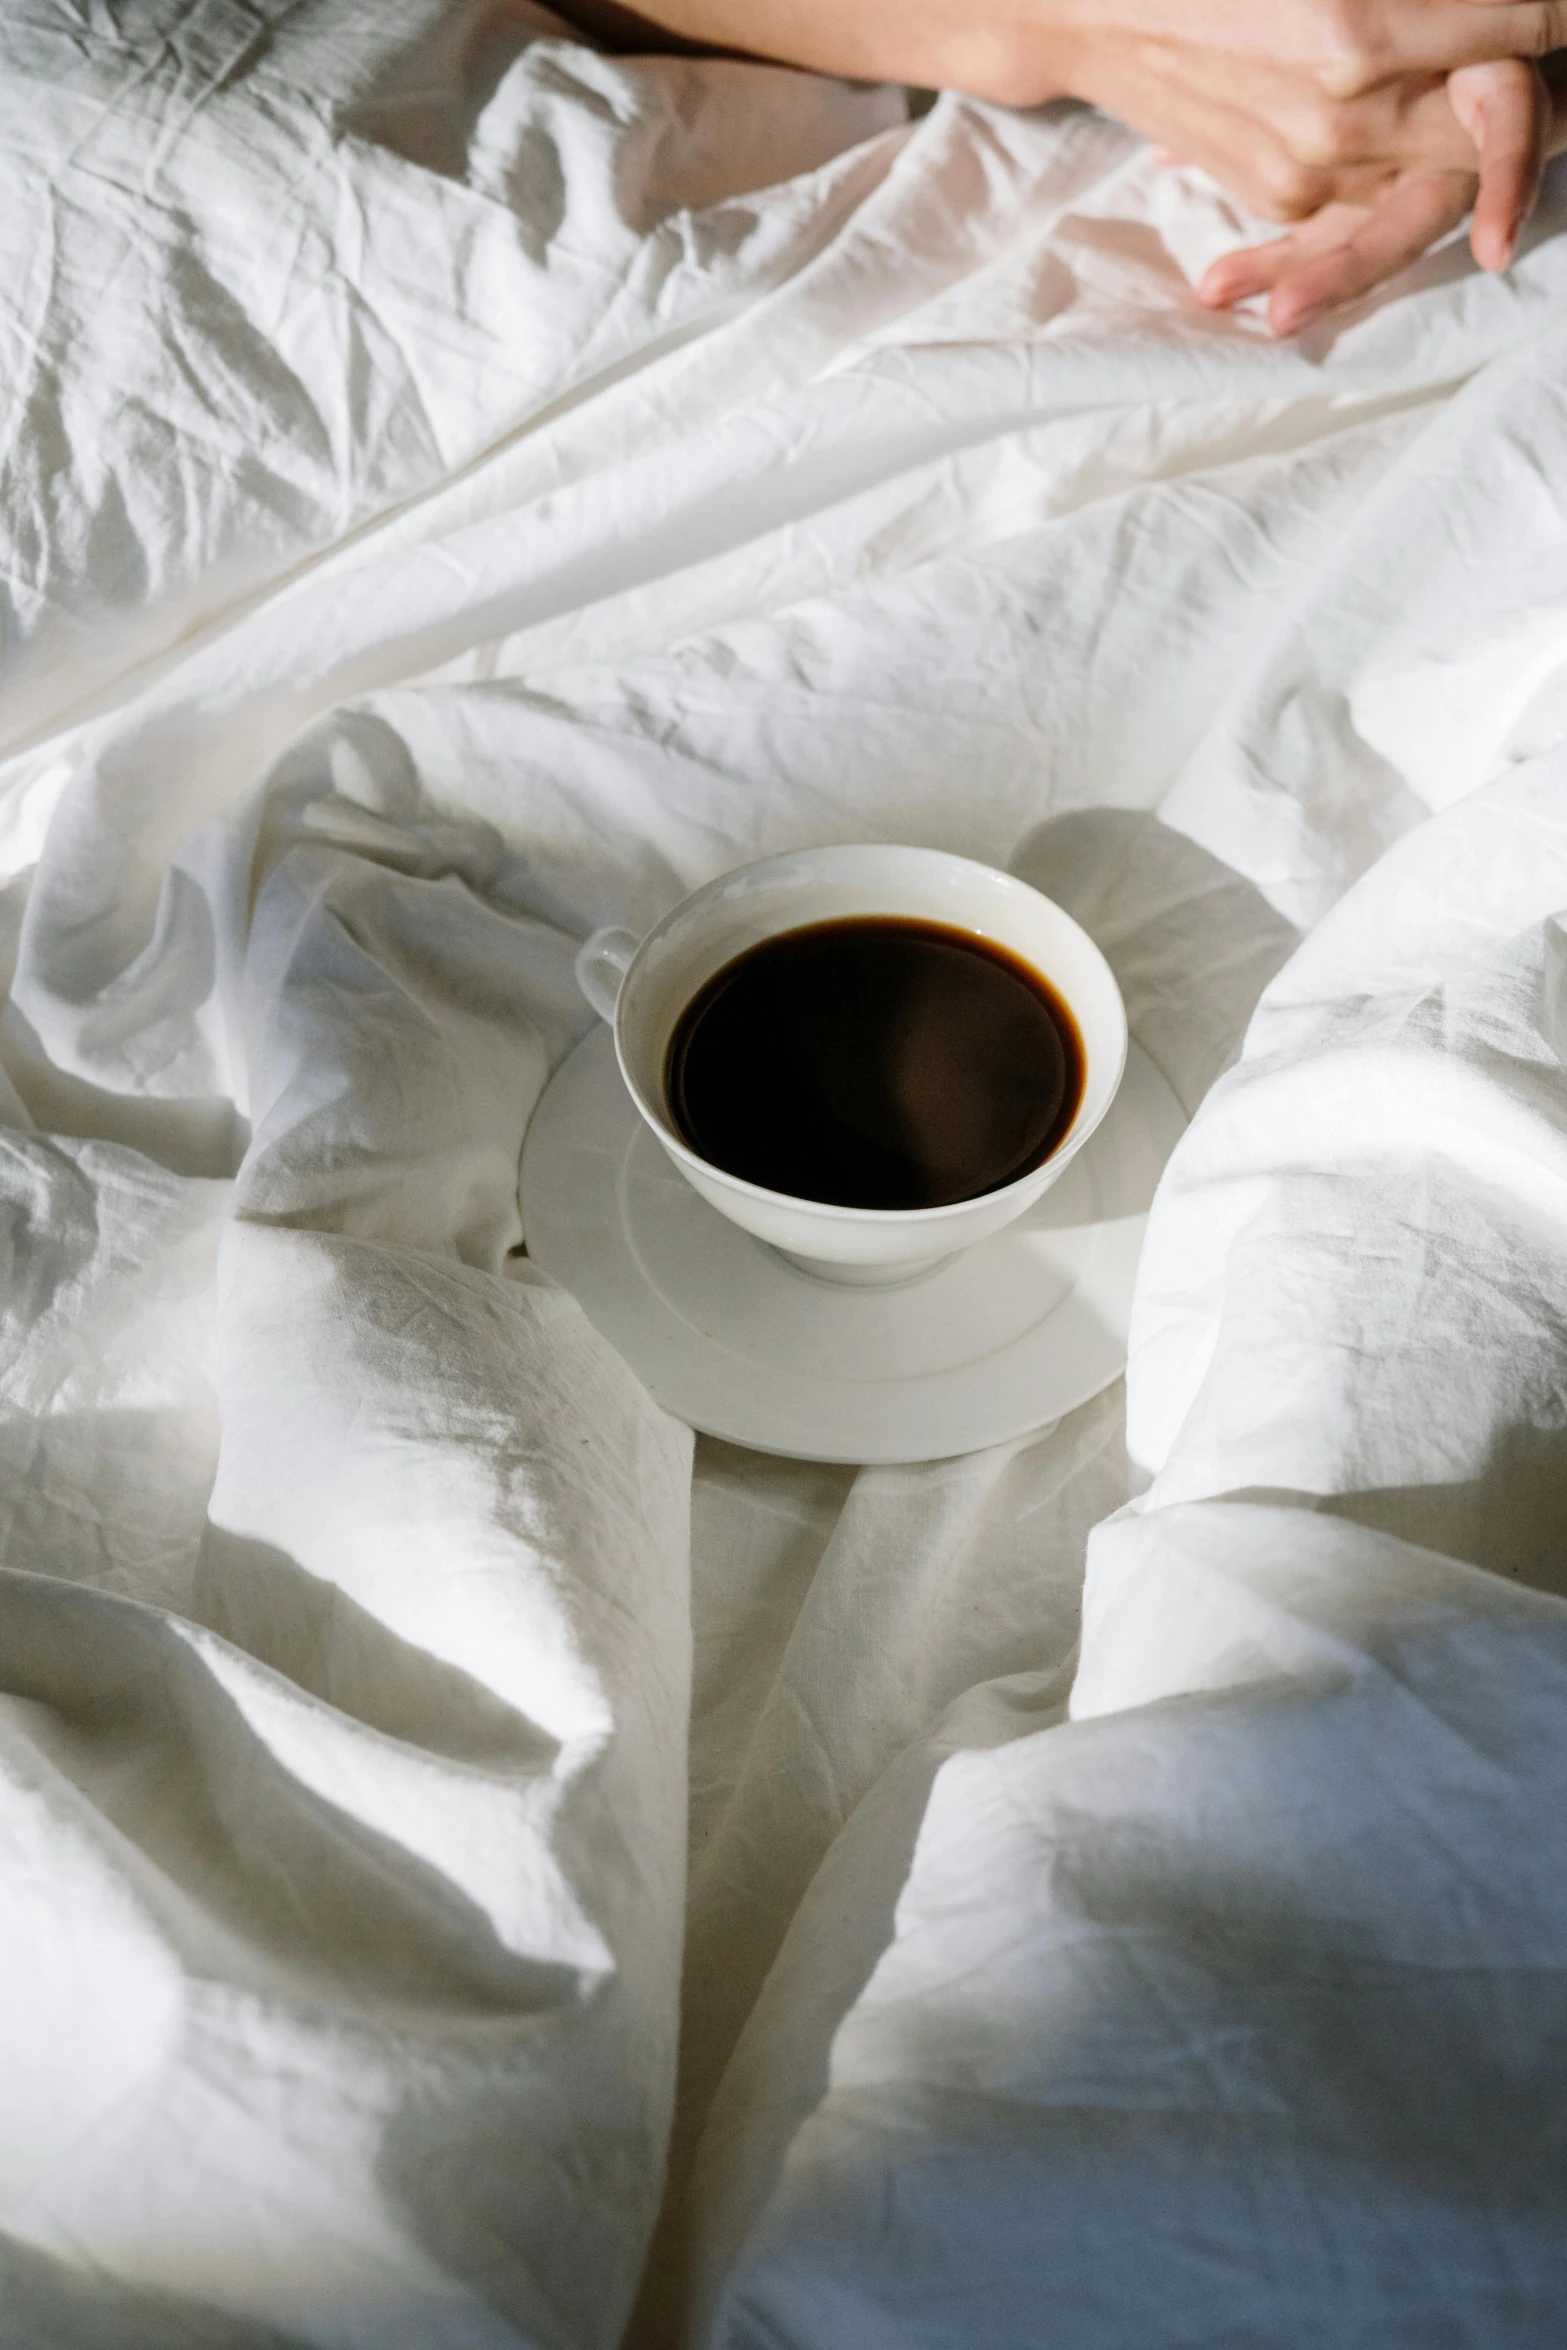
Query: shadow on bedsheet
[
  {"x": 219, "y": 1811},
  {"x": 842, "y": 1927},
  {"x": 1511, "y": 1520},
  {"x": 1274, "y": 2058},
  {"x": 325, "y": 1643},
  {"x": 391, "y": 1946},
  {"x": 194, "y": 1136},
  {"x": 44, "y": 2301},
  {"x": 1191, "y": 942}
]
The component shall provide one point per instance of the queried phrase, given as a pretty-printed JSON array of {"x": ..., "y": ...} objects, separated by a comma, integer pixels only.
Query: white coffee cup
[{"x": 642, "y": 988}]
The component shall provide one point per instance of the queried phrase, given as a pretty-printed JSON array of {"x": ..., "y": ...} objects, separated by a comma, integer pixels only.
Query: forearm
[{"x": 1003, "y": 52}]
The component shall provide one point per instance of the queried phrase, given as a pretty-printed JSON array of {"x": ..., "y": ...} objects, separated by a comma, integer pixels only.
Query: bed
[{"x": 459, "y": 489}]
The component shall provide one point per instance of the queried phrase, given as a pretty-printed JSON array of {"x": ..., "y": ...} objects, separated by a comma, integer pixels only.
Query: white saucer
[{"x": 993, "y": 1344}]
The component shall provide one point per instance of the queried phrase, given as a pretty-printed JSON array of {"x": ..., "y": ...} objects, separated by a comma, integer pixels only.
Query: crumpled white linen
[
  {"x": 458, "y": 488},
  {"x": 1230, "y": 2009}
]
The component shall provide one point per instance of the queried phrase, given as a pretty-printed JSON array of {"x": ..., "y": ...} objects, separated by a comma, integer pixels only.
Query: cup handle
[{"x": 601, "y": 965}]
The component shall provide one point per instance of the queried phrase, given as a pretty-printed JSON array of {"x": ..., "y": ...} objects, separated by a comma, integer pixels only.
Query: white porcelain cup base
[
  {"x": 990, "y": 1343},
  {"x": 842, "y": 1276}
]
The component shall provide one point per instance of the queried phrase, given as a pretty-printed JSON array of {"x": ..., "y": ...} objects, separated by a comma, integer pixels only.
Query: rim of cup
[{"x": 912, "y": 1219}]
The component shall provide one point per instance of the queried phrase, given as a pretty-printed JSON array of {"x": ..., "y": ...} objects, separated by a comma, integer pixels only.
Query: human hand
[
  {"x": 1271, "y": 96},
  {"x": 1512, "y": 120},
  {"x": 1290, "y": 106},
  {"x": 1334, "y": 113}
]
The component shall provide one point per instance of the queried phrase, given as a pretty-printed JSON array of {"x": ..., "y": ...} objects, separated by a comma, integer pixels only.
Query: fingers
[
  {"x": 1530, "y": 31},
  {"x": 1409, "y": 125},
  {"x": 1420, "y": 209},
  {"x": 1342, "y": 253},
  {"x": 1370, "y": 42},
  {"x": 1280, "y": 144},
  {"x": 1263, "y": 147},
  {"x": 1284, "y": 152},
  {"x": 1346, "y": 249},
  {"x": 1506, "y": 110},
  {"x": 1239, "y": 147},
  {"x": 1257, "y": 269}
]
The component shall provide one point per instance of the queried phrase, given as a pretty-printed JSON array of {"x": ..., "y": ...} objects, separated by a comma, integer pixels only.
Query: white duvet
[{"x": 458, "y": 489}]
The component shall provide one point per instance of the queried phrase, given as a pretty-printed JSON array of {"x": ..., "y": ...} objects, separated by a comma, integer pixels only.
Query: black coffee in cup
[{"x": 876, "y": 1062}]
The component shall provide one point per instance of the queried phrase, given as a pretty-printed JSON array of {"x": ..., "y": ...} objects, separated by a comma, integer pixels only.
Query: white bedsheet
[{"x": 457, "y": 489}]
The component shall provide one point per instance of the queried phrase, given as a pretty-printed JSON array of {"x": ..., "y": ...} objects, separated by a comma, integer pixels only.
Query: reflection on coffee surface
[{"x": 876, "y": 1063}]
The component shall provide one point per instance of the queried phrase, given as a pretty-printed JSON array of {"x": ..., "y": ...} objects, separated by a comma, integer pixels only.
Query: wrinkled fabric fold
[{"x": 456, "y": 489}]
